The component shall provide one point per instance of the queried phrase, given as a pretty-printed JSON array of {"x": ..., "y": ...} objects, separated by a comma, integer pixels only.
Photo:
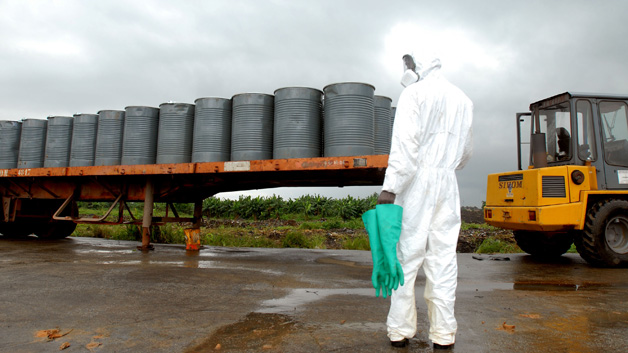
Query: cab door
[{"x": 613, "y": 116}]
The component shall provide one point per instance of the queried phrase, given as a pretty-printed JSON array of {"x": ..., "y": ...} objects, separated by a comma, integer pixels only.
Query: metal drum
[
  {"x": 393, "y": 112},
  {"x": 252, "y": 127},
  {"x": 174, "y": 141},
  {"x": 297, "y": 125},
  {"x": 139, "y": 141},
  {"x": 83, "y": 140},
  {"x": 10, "y": 132},
  {"x": 58, "y": 141},
  {"x": 348, "y": 119},
  {"x": 383, "y": 116},
  {"x": 109, "y": 137},
  {"x": 32, "y": 143},
  {"x": 212, "y": 130}
]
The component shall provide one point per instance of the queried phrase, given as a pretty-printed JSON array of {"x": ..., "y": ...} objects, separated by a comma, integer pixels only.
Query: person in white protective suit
[{"x": 432, "y": 137}]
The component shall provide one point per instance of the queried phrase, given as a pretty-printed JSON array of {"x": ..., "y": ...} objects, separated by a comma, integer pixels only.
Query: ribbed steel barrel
[
  {"x": 10, "y": 132},
  {"x": 297, "y": 125},
  {"x": 139, "y": 141},
  {"x": 109, "y": 137},
  {"x": 32, "y": 143},
  {"x": 383, "y": 116},
  {"x": 58, "y": 141},
  {"x": 212, "y": 130},
  {"x": 252, "y": 127},
  {"x": 174, "y": 141},
  {"x": 83, "y": 140},
  {"x": 393, "y": 112},
  {"x": 349, "y": 118}
]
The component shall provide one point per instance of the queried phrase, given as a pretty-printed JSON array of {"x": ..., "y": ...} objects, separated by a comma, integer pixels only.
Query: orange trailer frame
[{"x": 54, "y": 191}]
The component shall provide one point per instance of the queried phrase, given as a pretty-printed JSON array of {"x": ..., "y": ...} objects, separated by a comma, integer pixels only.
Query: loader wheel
[
  {"x": 604, "y": 240},
  {"x": 543, "y": 245}
]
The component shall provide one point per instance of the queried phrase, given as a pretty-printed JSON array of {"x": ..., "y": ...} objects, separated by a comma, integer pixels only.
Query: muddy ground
[{"x": 105, "y": 296}]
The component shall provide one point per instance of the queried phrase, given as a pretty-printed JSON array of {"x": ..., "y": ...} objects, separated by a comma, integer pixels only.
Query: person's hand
[{"x": 385, "y": 198}]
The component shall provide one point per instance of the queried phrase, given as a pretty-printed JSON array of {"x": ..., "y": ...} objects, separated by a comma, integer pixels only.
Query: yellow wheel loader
[{"x": 575, "y": 187}]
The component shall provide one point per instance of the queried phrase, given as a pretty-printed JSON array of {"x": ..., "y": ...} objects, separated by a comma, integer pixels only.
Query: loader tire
[
  {"x": 543, "y": 245},
  {"x": 604, "y": 240}
]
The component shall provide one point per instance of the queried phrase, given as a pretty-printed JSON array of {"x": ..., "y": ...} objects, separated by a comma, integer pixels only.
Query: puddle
[
  {"x": 479, "y": 287},
  {"x": 548, "y": 286},
  {"x": 192, "y": 263},
  {"x": 255, "y": 333},
  {"x": 334, "y": 261},
  {"x": 118, "y": 262},
  {"x": 96, "y": 251},
  {"x": 302, "y": 296}
]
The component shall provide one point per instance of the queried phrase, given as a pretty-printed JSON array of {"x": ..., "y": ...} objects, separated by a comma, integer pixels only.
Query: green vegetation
[
  {"x": 275, "y": 207},
  {"x": 493, "y": 245},
  {"x": 467, "y": 226},
  {"x": 313, "y": 222}
]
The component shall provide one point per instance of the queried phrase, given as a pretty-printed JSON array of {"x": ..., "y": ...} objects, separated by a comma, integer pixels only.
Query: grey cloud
[{"x": 74, "y": 56}]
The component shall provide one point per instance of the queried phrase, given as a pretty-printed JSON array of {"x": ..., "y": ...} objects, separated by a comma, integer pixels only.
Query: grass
[
  {"x": 293, "y": 230},
  {"x": 229, "y": 240},
  {"x": 494, "y": 245},
  {"x": 467, "y": 226},
  {"x": 113, "y": 232}
]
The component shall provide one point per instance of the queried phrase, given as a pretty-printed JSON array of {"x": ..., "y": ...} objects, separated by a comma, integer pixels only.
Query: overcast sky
[{"x": 65, "y": 57}]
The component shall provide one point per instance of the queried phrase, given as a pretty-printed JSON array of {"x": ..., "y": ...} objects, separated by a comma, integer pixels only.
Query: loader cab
[{"x": 577, "y": 129}]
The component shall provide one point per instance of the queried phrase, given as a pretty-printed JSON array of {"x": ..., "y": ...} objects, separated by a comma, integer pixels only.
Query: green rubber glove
[
  {"x": 379, "y": 276},
  {"x": 389, "y": 223}
]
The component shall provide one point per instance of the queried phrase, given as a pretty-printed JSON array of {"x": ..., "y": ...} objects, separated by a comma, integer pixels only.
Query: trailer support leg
[
  {"x": 193, "y": 235},
  {"x": 148, "y": 215}
]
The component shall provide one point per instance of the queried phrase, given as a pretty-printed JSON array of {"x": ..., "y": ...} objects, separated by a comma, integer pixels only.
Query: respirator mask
[{"x": 409, "y": 75}]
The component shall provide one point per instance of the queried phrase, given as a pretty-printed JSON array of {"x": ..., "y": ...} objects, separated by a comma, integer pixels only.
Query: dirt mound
[{"x": 472, "y": 215}]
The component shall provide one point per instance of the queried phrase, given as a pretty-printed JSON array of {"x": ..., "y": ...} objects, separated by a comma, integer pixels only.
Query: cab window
[
  {"x": 586, "y": 132},
  {"x": 556, "y": 124},
  {"x": 614, "y": 120}
]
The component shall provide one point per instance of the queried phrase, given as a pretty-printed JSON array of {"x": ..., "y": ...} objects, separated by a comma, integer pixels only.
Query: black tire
[
  {"x": 16, "y": 229},
  {"x": 55, "y": 229},
  {"x": 604, "y": 240},
  {"x": 542, "y": 244}
]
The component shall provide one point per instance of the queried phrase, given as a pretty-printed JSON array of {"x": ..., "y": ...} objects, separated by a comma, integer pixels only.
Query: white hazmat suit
[{"x": 432, "y": 137}]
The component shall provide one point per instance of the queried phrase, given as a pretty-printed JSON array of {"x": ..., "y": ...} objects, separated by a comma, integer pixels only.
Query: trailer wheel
[
  {"x": 543, "y": 245},
  {"x": 55, "y": 230},
  {"x": 604, "y": 240},
  {"x": 16, "y": 229}
]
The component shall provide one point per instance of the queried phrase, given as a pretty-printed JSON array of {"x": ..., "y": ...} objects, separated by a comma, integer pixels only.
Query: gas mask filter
[{"x": 409, "y": 75}]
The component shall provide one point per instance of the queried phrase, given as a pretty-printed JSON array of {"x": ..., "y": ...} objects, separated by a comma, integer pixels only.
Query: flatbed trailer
[{"x": 43, "y": 200}]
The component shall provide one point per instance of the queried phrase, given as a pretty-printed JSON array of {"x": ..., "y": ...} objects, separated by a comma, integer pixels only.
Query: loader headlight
[{"x": 577, "y": 177}]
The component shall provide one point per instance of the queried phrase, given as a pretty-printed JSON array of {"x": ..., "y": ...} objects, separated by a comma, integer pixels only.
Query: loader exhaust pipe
[{"x": 539, "y": 150}]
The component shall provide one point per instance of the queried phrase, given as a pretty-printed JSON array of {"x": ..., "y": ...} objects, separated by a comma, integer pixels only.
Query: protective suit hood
[{"x": 426, "y": 63}]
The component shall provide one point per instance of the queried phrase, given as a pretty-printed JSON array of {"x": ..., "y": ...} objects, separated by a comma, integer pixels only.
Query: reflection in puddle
[
  {"x": 192, "y": 263},
  {"x": 334, "y": 261},
  {"x": 118, "y": 262},
  {"x": 302, "y": 296},
  {"x": 96, "y": 251},
  {"x": 529, "y": 286},
  {"x": 541, "y": 286}
]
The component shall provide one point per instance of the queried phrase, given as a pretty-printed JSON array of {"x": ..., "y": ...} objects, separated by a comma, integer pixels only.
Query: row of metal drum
[{"x": 345, "y": 119}]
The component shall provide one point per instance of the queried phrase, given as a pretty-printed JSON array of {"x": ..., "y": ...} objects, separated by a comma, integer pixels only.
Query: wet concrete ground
[{"x": 109, "y": 295}]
